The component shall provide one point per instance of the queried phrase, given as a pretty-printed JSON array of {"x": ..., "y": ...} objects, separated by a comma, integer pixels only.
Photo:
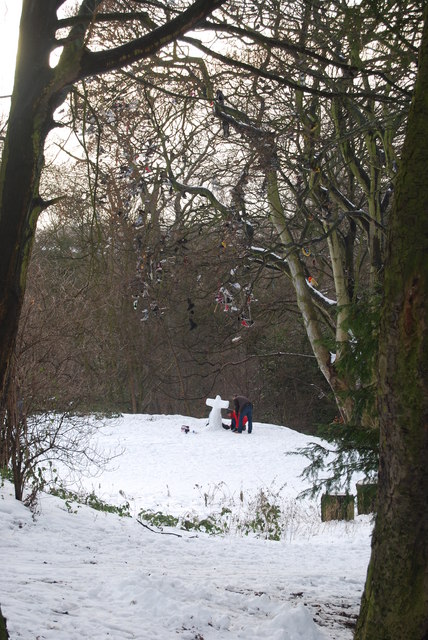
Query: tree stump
[
  {"x": 337, "y": 507},
  {"x": 366, "y": 497}
]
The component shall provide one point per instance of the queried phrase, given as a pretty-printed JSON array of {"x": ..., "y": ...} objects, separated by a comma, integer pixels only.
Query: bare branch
[{"x": 94, "y": 62}]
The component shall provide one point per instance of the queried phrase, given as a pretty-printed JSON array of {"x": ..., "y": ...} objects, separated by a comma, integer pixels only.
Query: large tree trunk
[
  {"x": 395, "y": 601},
  {"x": 306, "y": 306},
  {"x": 3, "y": 629},
  {"x": 20, "y": 171}
]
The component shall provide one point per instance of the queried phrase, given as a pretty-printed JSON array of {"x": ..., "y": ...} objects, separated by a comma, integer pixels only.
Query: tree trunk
[
  {"x": 3, "y": 629},
  {"x": 395, "y": 601},
  {"x": 306, "y": 306},
  {"x": 29, "y": 123}
]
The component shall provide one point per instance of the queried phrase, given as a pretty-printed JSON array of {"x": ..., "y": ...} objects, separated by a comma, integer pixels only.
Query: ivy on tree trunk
[{"x": 395, "y": 600}]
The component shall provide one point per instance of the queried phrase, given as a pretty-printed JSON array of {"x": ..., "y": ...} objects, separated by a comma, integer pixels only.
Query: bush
[
  {"x": 265, "y": 515},
  {"x": 91, "y": 500}
]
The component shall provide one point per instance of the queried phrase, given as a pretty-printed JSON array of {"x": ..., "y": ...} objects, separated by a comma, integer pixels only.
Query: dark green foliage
[
  {"x": 91, "y": 500},
  {"x": 358, "y": 360},
  {"x": 187, "y": 523},
  {"x": 157, "y": 518},
  {"x": 206, "y": 525},
  {"x": 352, "y": 449},
  {"x": 6, "y": 473},
  {"x": 99, "y": 505},
  {"x": 266, "y": 518}
]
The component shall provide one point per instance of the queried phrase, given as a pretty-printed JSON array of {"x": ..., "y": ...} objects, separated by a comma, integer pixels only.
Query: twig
[{"x": 165, "y": 533}]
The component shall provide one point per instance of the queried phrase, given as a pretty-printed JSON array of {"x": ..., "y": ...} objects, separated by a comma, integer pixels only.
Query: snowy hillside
[{"x": 73, "y": 572}]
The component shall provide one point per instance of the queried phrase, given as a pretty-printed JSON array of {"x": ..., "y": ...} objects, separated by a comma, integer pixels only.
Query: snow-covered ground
[{"x": 70, "y": 572}]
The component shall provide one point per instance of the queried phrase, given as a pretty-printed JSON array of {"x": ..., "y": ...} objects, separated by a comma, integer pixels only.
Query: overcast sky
[{"x": 10, "y": 11}]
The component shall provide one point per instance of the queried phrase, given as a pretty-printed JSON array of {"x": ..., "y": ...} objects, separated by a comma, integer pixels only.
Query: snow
[
  {"x": 71, "y": 572},
  {"x": 215, "y": 418},
  {"x": 321, "y": 295}
]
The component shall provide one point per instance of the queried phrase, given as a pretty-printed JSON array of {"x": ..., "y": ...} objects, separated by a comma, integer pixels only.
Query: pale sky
[{"x": 10, "y": 12}]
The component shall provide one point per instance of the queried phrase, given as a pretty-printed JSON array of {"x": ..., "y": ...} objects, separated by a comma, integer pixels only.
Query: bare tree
[
  {"x": 38, "y": 91},
  {"x": 321, "y": 113}
]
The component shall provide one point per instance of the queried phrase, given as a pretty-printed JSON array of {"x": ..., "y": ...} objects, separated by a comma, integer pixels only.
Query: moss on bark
[{"x": 395, "y": 601}]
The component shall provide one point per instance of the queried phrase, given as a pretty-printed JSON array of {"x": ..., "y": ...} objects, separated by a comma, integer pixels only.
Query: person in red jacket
[
  {"x": 234, "y": 421},
  {"x": 244, "y": 410}
]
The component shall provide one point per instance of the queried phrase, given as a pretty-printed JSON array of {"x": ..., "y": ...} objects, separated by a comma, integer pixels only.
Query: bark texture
[
  {"x": 306, "y": 305},
  {"x": 395, "y": 601},
  {"x": 3, "y": 629}
]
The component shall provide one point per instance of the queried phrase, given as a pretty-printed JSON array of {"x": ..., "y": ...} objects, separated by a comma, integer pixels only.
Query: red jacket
[{"x": 235, "y": 420}]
